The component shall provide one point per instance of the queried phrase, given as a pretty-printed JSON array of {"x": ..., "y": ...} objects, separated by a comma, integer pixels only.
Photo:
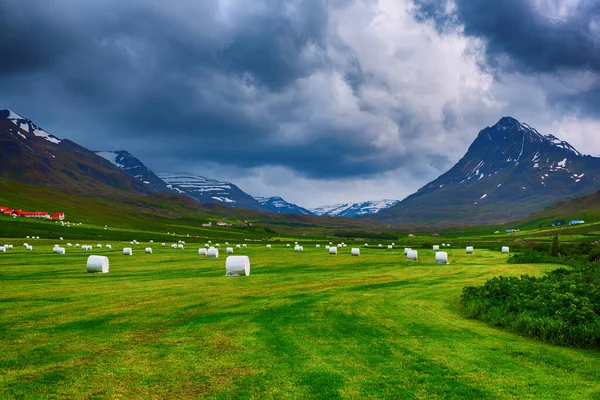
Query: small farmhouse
[
  {"x": 58, "y": 216},
  {"x": 30, "y": 214}
]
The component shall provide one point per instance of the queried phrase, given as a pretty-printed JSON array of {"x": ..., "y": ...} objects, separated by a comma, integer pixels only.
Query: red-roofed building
[
  {"x": 59, "y": 216},
  {"x": 5, "y": 210},
  {"x": 28, "y": 214}
]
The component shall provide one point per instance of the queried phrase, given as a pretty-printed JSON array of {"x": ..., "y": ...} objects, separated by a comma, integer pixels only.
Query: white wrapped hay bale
[
  {"x": 217, "y": 245},
  {"x": 69, "y": 245},
  {"x": 59, "y": 250},
  {"x": 505, "y": 249},
  {"x": 180, "y": 246},
  {"x": 229, "y": 250},
  {"x": 97, "y": 264},
  {"x": 318, "y": 246},
  {"x": 333, "y": 250},
  {"x": 61, "y": 238},
  {"x": 296, "y": 243},
  {"x": 108, "y": 246},
  {"x": 297, "y": 248},
  {"x": 441, "y": 257},
  {"x": 163, "y": 244},
  {"x": 390, "y": 247},
  {"x": 99, "y": 246},
  {"x": 355, "y": 252},
  {"x": 469, "y": 249},
  {"x": 226, "y": 243},
  {"x": 237, "y": 266},
  {"x": 268, "y": 246},
  {"x": 436, "y": 248},
  {"x": 27, "y": 244},
  {"x": 366, "y": 244},
  {"x": 29, "y": 247},
  {"x": 237, "y": 246},
  {"x": 339, "y": 246},
  {"x": 406, "y": 250},
  {"x": 244, "y": 245},
  {"x": 327, "y": 247},
  {"x": 174, "y": 246},
  {"x": 207, "y": 245},
  {"x": 412, "y": 255},
  {"x": 202, "y": 251},
  {"x": 127, "y": 251},
  {"x": 2, "y": 249},
  {"x": 10, "y": 246},
  {"x": 379, "y": 245},
  {"x": 76, "y": 244},
  {"x": 148, "y": 250},
  {"x": 443, "y": 244},
  {"x": 212, "y": 252},
  {"x": 287, "y": 245}
]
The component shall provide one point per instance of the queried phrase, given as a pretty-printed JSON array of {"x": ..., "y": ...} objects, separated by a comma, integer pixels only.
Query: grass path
[{"x": 303, "y": 325}]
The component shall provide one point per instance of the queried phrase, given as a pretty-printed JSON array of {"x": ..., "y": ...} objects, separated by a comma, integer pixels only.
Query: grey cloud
[{"x": 518, "y": 29}]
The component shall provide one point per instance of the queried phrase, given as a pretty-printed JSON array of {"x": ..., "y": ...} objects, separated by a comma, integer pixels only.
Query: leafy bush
[{"x": 562, "y": 307}]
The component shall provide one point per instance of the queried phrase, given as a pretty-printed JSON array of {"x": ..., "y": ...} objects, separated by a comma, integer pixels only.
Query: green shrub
[{"x": 562, "y": 307}]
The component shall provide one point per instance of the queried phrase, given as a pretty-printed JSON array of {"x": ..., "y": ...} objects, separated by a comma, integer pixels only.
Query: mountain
[
  {"x": 277, "y": 205},
  {"x": 29, "y": 154},
  {"x": 129, "y": 163},
  {"x": 207, "y": 190},
  {"x": 508, "y": 172},
  {"x": 350, "y": 210}
]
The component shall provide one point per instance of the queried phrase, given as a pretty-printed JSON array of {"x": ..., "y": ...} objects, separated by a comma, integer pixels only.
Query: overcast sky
[{"x": 317, "y": 101}]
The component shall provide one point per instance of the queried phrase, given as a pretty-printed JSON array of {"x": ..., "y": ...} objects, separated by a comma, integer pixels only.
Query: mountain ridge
[
  {"x": 350, "y": 210},
  {"x": 509, "y": 171},
  {"x": 278, "y": 205},
  {"x": 31, "y": 155},
  {"x": 210, "y": 191}
]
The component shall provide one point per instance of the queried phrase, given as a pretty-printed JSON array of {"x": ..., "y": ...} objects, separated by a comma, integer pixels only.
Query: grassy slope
[
  {"x": 164, "y": 213},
  {"x": 586, "y": 208},
  {"x": 302, "y": 325}
]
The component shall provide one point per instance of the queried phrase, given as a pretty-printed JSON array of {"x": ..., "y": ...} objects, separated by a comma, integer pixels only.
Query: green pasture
[{"x": 302, "y": 325}]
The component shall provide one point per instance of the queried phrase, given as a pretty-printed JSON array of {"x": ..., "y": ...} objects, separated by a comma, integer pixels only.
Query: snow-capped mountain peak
[
  {"x": 26, "y": 125},
  {"x": 354, "y": 209},
  {"x": 129, "y": 163},
  {"x": 509, "y": 170},
  {"x": 207, "y": 190},
  {"x": 278, "y": 205}
]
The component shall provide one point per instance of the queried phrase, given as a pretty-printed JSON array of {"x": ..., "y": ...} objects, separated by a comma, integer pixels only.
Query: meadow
[{"x": 302, "y": 325}]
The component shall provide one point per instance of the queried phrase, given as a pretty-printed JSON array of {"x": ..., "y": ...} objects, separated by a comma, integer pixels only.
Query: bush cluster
[{"x": 562, "y": 307}]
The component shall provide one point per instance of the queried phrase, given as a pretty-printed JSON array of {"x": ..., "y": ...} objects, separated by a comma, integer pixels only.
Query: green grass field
[{"x": 303, "y": 325}]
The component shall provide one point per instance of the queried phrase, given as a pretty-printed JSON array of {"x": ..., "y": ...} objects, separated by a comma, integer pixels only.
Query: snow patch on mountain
[
  {"x": 354, "y": 209},
  {"x": 278, "y": 205},
  {"x": 110, "y": 156},
  {"x": 28, "y": 126}
]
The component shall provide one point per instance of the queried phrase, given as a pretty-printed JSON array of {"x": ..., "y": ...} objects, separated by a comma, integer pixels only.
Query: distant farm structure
[{"x": 58, "y": 216}]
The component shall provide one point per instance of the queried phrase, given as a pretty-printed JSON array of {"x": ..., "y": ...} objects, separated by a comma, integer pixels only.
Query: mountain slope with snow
[
  {"x": 509, "y": 171},
  {"x": 350, "y": 210},
  {"x": 29, "y": 154},
  {"x": 277, "y": 205},
  {"x": 129, "y": 163},
  {"x": 205, "y": 190}
]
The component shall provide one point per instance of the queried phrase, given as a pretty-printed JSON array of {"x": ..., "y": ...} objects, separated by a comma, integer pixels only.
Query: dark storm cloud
[
  {"x": 534, "y": 40},
  {"x": 191, "y": 77}
]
